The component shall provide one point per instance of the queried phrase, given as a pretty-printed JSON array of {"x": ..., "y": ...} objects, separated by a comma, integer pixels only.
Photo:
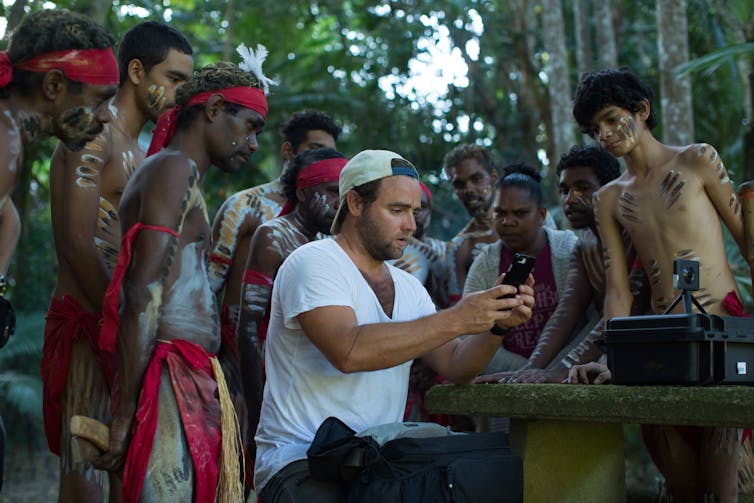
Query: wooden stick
[{"x": 92, "y": 431}]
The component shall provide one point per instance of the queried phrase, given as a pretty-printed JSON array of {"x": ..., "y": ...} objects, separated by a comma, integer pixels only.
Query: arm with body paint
[
  {"x": 162, "y": 201},
  {"x": 706, "y": 164},
  {"x": 10, "y": 231},
  {"x": 10, "y": 224},
  {"x": 78, "y": 216},
  {"x": 570, "y": 311},
  {"x": 234, "y": 226},
  {"x": 223, "y": 230},
  {"x": 263, "y": 261},
  {"x": 618, "y": 297}
]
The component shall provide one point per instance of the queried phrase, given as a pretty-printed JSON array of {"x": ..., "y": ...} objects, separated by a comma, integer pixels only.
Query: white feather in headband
[{"x": 252, "y": 62}]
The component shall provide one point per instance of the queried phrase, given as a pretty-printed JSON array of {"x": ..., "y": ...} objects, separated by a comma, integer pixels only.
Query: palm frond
[{"x": 710, "y": 62}]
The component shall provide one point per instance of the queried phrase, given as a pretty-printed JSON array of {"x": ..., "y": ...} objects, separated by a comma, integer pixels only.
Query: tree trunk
[
  {"x": 675, "y": 91},
  {"x": 14, "y": 17},
  {"x": 228, "y": 44},
  {"x": 603, "y": 20},
  {"x": 533, "y": 101},
  {"x": 583, "y": 35},
  {"x": 562, "y": 135}
]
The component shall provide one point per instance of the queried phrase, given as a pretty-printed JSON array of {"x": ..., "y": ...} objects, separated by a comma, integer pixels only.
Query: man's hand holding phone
[{"x": 518, "y": 274}]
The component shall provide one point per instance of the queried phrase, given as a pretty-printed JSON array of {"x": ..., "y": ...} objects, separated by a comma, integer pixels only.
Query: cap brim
[{"x": 337, "y": 221}]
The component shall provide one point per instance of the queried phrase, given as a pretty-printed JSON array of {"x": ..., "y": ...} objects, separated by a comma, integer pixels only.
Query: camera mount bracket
[{"x": 686, "y": 279}]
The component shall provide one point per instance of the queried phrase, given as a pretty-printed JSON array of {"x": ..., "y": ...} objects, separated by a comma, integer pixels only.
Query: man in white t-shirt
[{"x": 345, "y": 327}]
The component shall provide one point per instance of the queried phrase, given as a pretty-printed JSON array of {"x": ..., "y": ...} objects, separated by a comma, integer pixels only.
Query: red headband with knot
[
  {"x": 249, "y": 97},
  {"x": 326, "y": 170},
  {"x": 90, "y": 66}
]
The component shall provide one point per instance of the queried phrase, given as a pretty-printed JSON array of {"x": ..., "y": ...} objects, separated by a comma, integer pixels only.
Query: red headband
[
  {"x": 327, "y": 170},
  {"x": 90, "y": 66},
  {"x": 427, "y": 192},
  {"x": 249, "y": 97}
]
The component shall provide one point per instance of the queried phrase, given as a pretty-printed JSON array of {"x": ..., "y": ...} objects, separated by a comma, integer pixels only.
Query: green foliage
[
  {"x": 20, "y": 381},
  {"x": 353, "y": 59}
]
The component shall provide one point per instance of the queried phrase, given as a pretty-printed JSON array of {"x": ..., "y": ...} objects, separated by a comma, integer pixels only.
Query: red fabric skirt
[
  {"x": 195, "y": 390},
  {"x": 67, "y": 322}
]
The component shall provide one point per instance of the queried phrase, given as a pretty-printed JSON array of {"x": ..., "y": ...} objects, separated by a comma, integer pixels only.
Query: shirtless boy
[
  {"x": 670, "y": 201},
  {"x": 174, "y": 414},
  {"x": 311, "y": 182},
  {"x": 85, "y": 187}
]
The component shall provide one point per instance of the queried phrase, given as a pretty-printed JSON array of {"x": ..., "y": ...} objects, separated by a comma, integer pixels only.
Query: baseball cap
[{"x": 368, "y": 166}]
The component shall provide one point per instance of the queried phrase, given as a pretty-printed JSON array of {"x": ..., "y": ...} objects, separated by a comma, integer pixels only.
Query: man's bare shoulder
[
  {"x": 611, "y": 190},
  {"x": 165, "y": 170},
  {"x": 267, "y": 191},
  {"x": 701, "y": 158}
]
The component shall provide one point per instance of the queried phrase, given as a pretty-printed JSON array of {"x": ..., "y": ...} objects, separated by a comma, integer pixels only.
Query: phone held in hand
[{"x": 518, "y": 271}]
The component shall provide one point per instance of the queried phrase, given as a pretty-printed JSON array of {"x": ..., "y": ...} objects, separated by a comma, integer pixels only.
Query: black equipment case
[{"x": 685, "y": 349}]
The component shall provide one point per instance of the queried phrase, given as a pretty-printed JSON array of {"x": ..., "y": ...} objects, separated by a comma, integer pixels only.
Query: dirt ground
[{"x": 31, "y": 473}]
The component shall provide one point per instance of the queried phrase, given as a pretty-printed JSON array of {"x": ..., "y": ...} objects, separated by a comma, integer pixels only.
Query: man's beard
[{"x": 373, "y": 242}]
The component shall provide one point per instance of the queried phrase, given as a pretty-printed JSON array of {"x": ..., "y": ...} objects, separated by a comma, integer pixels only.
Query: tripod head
[{"x": 686, "y": 278}]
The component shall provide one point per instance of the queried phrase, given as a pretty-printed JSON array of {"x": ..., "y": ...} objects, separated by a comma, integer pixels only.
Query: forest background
[{"x": 417, "y": 77}]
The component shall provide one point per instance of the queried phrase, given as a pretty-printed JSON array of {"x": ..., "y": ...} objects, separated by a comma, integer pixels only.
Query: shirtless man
[
  {"x": 311, "y": 182},
  {"x": 244, "y": 211},
  {"x": 670, "y": 201},
  {"x": 174, "y": 414},
  {"x": 85, "y": 187},
  {"x": 55, "y": 80},
  {"x": 473, "y": 176}
]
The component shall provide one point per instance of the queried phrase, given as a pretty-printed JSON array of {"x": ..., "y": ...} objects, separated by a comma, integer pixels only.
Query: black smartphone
[{"x": 518, "y": 271}]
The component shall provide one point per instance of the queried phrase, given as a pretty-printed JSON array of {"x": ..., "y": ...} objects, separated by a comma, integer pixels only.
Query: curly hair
[
  {"x": 212, "y": 77},
  {"x": 304, "y": 159},
  {"x": 300, "y": 123},
  {"x": 604, "y": 165},
  {"x": 621, "y": 88},
  {"x": 522, "y": 176},
  {"x": 469, "y": 151},
  {"x": 51, "y": 30},
  {"x": 149, "y": 42}
]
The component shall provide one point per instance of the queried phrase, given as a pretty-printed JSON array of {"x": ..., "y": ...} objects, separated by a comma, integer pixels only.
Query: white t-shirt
[{"x": 303, "y": 388}]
